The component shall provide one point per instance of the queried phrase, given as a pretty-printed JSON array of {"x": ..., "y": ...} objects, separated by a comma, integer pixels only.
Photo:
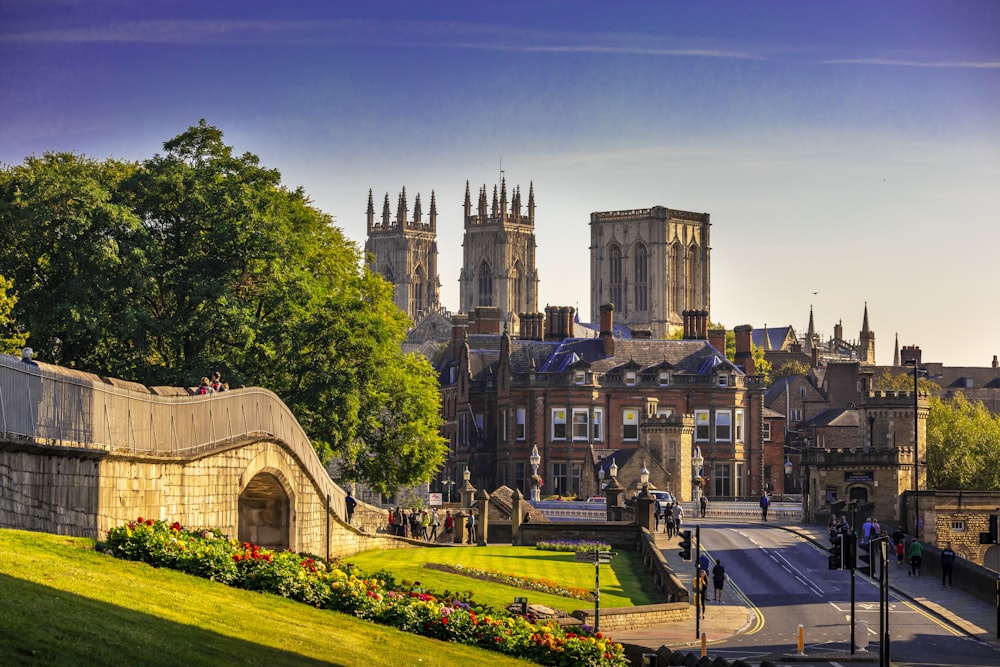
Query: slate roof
[{"x": 839, "y": 417}]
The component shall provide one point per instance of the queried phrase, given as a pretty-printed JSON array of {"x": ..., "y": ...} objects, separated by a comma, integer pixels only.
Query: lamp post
[
  {"x": 600, "y": 481},
  {"x": 788, "y": 472},
  {"x": 534, "y": 459},
  {"x": 916, "y": 450},
  {"x": 448, "y": 484},
  {"x": 644, "y": 477},
  {"x": 614, "y": 471},
  {"x": 697, "y": 461}
]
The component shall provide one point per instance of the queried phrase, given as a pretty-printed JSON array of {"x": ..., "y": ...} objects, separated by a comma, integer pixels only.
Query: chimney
[
  {"x": 486, "y": 320},
  {"x": 717, "y": 338},
  {"x": 744, "y": 348},
  {"x": 552, "y": 323},
  {"x": 531, "y": 326},
  {"x": 995, "y": 364},
  {"x": 607, "y": 329},
  {"x": 459, "y": 327}
]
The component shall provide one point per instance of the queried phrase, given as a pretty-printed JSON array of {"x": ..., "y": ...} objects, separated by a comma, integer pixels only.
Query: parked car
[{"x": 663, "y": 496}]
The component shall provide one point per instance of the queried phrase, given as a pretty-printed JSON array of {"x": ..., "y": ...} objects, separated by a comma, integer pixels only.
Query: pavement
[{"x": 967, "y": 614}]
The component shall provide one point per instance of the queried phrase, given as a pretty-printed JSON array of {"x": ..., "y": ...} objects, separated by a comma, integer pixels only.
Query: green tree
[
  {"x": 761, "y": 365},
  {"x": 790, "y": 368},
  {"x": 886, "y": 381},
  {"x": 199, "y": 260},
  {"x": 11, "y": 340},
  {"x": 963, "y": 445}
]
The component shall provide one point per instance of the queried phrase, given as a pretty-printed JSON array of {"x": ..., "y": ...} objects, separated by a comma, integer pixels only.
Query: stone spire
[
  {"x": 531, "y": 203},
  {"x": 895, "y": 353},
  {"x": 468, "y": 202},
  {"x": 401, "y": 208},
  {"x": 371, "y": 211},
  {"x": 385, "y": 212},
  {"x": 417, "y": 210},
  {"x": 434, "y": 210}
]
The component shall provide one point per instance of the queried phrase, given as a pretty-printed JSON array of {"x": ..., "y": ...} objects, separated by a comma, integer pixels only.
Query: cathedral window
[
  {"x": 485, "y": 285},
  {"x": 517, "y": 293},
  {"x": 641, "y": 281},
  {"x": 615, "y": 276}
]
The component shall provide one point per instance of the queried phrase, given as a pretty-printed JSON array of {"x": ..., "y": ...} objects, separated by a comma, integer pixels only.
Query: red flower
[
  {"x": 149, "y": 522},
  {"x": 141, "y": 520}
]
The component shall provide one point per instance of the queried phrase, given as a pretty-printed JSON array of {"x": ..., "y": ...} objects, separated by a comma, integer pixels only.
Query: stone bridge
[{"x": 80, "y": 454}]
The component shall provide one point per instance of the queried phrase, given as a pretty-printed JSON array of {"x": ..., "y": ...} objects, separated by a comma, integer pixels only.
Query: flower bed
[
  {"x": 528, "y": 583},
  {"x": 341, "y": 587},
  {"x": 573, "y": 545}
]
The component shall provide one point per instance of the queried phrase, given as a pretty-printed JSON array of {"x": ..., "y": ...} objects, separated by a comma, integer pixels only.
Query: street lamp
[
  {"x": 534, "y": 459},
  {"x": 613, "y": 470},
  {"x": 916, "y": 449},
  {"x": 467, "y": 475},
  {"x": 448, "y": 484},
  {"x": 697, "y": 461},
  {"x": 644, "y": 477},
  {"x": 788, "y": 472},
  {"x": 600, "y": 481}
]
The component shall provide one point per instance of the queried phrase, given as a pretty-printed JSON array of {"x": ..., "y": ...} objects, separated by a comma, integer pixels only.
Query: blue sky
[{"x": 848, "y": 152}]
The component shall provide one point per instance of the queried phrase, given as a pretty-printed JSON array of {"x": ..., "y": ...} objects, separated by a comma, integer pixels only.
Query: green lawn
[
  {"x": 620, "y": 585},
  {"x": 66, "y": 604}
]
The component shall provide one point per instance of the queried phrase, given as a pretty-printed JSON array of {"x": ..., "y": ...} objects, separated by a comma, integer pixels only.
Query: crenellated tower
[
  {"x": 404, "y": 251},
  {"x": 498, "y": 253}
]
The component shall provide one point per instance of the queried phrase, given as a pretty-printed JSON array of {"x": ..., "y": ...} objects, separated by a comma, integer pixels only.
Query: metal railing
[{"x": 51, "y": 406}]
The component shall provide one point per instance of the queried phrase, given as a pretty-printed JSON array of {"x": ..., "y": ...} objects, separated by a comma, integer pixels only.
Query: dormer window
[
  {"x": 630, "y": 377},
  {"x": 664, "y": 379},
  {"x": 580, "y": 377},
  {"x": 723, "y": 380}
]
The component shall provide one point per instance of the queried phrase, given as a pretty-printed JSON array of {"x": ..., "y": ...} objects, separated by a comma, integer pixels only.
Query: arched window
[
  {"x": 485, "y": 285},
  {"x": 517, "y": 289},
  {"x": 677, "y": 278},
  {"x": 615, "y": 277},
  {"x": 417, "y": 304},
  {"x": 387, "y": 273},
  {"x": 641, "y": 279},
  {"x": 692, "y": 277}
]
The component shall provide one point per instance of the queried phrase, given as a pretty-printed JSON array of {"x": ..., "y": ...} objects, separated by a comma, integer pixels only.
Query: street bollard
[
  {"x": 704, "y": 645},
  {"x": 802, "y": 644},
  {"x": 863, "y": 639}
]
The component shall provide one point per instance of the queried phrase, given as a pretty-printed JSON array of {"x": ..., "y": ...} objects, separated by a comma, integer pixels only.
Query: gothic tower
[
  {"x": 404, "y": 252},
  {"x": 652, "y": 264},
  {"x": 866, "y": 342},
  {"x": 498, "y": 254}
]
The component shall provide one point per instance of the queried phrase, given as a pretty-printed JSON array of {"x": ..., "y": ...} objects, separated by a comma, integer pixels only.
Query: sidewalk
[{"x": 973, "y": 616}]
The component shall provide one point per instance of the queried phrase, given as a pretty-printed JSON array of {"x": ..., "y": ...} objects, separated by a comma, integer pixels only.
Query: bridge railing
[{"x": 49, "y": 405}]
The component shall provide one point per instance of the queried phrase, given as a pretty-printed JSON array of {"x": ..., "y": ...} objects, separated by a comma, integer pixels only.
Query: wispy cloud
[{"x": 889, "y": 62}]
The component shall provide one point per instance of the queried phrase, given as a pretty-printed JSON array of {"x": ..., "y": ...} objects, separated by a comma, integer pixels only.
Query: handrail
[{"x": 48, "y": 405}]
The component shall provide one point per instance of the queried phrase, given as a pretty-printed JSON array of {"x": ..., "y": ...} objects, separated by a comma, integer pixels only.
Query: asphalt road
[{"x": 787, "y": 581}]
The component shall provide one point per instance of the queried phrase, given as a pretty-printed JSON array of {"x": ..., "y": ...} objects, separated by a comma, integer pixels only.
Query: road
[{"x": 786, "y": 580}]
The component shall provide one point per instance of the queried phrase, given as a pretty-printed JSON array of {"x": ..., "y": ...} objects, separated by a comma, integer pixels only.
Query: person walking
[
  {"x": 668, "y": 522},
  {"x": 678, "y": 517},
  {"x": 718, "y": 579},
  {"x": 704, "y": 505},
  {"x": 916, "y": 554},
  {"x": 947, "y": 564},
  {"x": 702, "y": 590},
  {"x": 351, "y": 503},
  {"x": 657, "y": 513},
  {"x": 765, "y": 502},
  {"x": 435, "y": 522},
  {"x": 470, "y": 524},
  {"x": 449, "y": 523}
]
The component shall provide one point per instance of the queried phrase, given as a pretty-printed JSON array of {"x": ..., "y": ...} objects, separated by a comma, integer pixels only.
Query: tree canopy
[
  {"x": 198, "y": 259},
  {"x": 963, "y": 445}
]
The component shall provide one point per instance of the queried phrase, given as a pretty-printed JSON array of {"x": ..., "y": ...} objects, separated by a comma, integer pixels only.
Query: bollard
[
  {"x": 704, "y": 645},
  {"x": 802, "y": 644},
  {"x": 863, "y": 639}
]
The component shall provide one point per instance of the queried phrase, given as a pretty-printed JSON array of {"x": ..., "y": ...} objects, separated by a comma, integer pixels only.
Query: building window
[
  {"x": 502, "y": 474},
  {"x": 701, "y": 426},
  {"x": 576, "y": 479},
  {"x": 739, "y": 426},
  {"x": 485, "y": 285},
  {"x": 802, "y": 392},
  {"x": 641, "y": 279},
  {"x": 724, "y": 426},
  {"x": 796, "y": 415},
  {"x": 664, "y": 379},
  {"x": 630, "y": 378},
  {"x": 739, "y": 480},
  {"x": 765, "y": 431},
  {"x": 615, "y": 277},
  {"x": 519, "y": 477},
  {"x": 580, "y": 377},
  {"x": 463, "y": 429},
  {"x": 558, "y": 424},
  {"x": 559, "y": 479},
  {"x": 519, "y": 424},
  {"x": 581, "y": 423},
  {"x": 664, "y": 412},
  {"x": 598, "y": 424},
  {"x": 502, "y": 425},
  {"x": 723, "y": 479},
  {"x": 958, "y": 525},
  {"x": 630, "y": 424},
  {"x": 723, "y": 380}
]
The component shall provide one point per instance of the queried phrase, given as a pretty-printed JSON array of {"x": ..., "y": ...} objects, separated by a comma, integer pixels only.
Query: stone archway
[
  {"x": 991, "y": 558},
  {"x": 265, "y": 513}
]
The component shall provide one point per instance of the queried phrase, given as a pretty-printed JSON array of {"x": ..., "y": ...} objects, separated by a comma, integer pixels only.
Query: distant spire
[
  {"x": 531, "y": 203},
  {"x": 434, "y": 211},
  {"x": 767, "y": 339},
  {"x": 864, "y": 324},
  {"x": 811, "y": 332},
  {"x": 385, "y": 211},
  {"x": 503, "y": 199},
  {"x": 401, "y": 208},
  {"x": 468, "y": 202},
  {"x": 495, "y": 209},
  {"x": 417, "y": 210},
  {"x": 895, "y": 354},
  {"x": 370, "y": 213}
]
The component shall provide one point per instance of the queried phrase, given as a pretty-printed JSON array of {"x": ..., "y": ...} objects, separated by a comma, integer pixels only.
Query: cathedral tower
[
  {"x": 404, "y": 252},
  {"x": 652, "y": 264},
  {"x": 498, "y": 254}
]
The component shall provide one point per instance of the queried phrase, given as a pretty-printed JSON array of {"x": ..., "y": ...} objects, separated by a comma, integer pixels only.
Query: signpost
[{"x": 597, "y": 558}]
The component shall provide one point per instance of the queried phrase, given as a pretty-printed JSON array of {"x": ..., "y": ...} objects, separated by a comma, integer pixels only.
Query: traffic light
[
  {"x": 850, "y": 550},
  {"x": 836, "y": 557},
  {"x": 866, "y": 557},
  {"x": 686, "y": 545}
]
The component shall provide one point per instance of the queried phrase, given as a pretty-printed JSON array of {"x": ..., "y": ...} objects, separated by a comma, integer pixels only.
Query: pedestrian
[
  {"x": 351, "y": 503},
  {"x": 668, "y": 522},
  {"x": 678, "y": 518},
  {"x": 866, "y": 531},
  {"x": 216, "y": 382},
  {"x": 916, "y": 554},
  {"x": 470, "y": 525},
  {"x": 204, "y": 388},
  {"x": 657, "y": 513},
  {"x": 704, "y": 505},
  {"x": 435, "y": 522},
  {"x": 718, "y": 579},
  {"x": 702, "y": 589},
  {"x": 947, "y": 564},
  {"x": 765, "y": 502},
  {"x": 399, "y": 521},
  {"x": 425, "y": 524},
  {"x": 449, "y": 523},
  {"x": 900, "y": 552}
]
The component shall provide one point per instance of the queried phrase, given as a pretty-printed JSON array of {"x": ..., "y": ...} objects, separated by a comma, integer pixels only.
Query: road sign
[{"x": 603, "y": 557}]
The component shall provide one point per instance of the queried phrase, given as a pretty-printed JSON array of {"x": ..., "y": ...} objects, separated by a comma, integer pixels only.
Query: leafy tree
[
  {"x": 886, "y": 381},
  {"x": 11, "y": 340},
  {"x": 197, "y": 260},
  {"x": 963, "y": 445},
  {"x": 790, "y": 368},
  {"x": 760, "y": 363}
]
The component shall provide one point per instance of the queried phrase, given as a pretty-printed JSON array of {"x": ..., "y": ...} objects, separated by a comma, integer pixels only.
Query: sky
[{"x": 848, "y": 152}]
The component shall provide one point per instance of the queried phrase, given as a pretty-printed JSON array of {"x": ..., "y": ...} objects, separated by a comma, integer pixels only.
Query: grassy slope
[{"x": 62, "y": 603}]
